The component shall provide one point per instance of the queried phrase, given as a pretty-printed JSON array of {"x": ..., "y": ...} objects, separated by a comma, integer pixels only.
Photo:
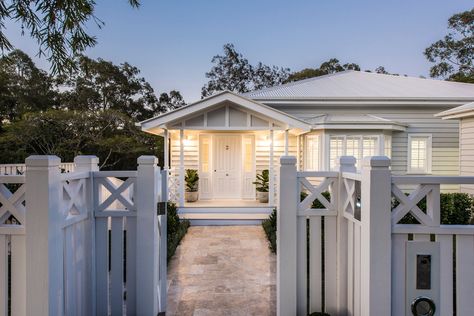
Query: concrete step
[{"x": 224, "y": 219}]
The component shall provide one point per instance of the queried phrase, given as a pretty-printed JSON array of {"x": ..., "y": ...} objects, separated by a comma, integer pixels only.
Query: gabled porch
[{"x": 228, "y": 139}]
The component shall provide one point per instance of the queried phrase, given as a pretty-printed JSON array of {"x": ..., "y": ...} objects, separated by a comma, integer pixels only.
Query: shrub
[
  {"x": 316, "y": 203},
  {"x": 270, "y": 228},
  {"x": 456, "y": 209},
  {"x": 319, "y": 314},
  {"x": 176, "y": 229}
]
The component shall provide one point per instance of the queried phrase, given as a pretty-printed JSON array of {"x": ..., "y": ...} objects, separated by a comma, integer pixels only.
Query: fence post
[
  {"x": 376, "y": 230},
  {"x": 44, "y": 238},
  {"x": 147, "y": 236},
  {"x": 164, "y": 242},
  {"x": 287, "y": 237},
  {"x": 346, "y": 164}
]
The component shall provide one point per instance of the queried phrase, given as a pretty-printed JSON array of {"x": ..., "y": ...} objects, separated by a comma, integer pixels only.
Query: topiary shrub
[
  {"x": 176, "y": 229},
  {"x": 456, "y": 209},
  {"x": 270, "y": 228}
]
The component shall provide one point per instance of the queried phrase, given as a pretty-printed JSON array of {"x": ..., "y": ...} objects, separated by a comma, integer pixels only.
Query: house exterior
[
  {"x": 229, "y": 138},
  {"x": 465, "y": 115}
]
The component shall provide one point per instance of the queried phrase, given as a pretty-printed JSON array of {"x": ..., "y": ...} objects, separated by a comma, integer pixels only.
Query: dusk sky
[{"x": 172, "y": 42}]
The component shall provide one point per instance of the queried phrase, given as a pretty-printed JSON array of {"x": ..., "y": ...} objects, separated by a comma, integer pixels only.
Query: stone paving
[{"x": 222, "y": 270}]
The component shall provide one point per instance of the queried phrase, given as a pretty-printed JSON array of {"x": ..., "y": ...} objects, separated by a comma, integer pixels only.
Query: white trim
[
  {"x": 181, "y": 168},
  {"x": 271, "y": 173},
  {"x": 307, "y": 138},
  {"x": 184, "y": 112},
  {"x": 429, "y": 153}
]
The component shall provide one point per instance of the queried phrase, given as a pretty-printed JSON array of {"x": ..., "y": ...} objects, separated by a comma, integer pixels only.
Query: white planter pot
[
  {"x": 191, "y": 196},
  {"x": 262, "y": 197}
]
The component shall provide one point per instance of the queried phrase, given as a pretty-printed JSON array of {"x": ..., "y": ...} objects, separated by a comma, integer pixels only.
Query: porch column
[
  {"x": 286, "y": 142},
  {"x": 166, "y": 160},
  {"x": 271, "y": 184},
  {"x": 181, "y": 167}
]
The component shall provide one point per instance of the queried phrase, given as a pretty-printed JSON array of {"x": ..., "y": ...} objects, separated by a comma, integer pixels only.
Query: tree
[
  {"x": 454, "y": 54},
  {"x": 328, "y": 67},
  {"x": 110, "y": 135},
  {"x": 59, "y": 27},
  {"x": 233, "y": 72},
  {"x": 23, "y": 87},
  {"x": 101, "y": 85},
  {"x": 171, "y": 101}
]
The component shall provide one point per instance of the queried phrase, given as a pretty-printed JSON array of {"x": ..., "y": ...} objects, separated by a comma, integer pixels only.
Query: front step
[{"x": 224, "y": 216}]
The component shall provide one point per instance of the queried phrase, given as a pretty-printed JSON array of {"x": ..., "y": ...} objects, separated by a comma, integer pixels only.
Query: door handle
[{"x": 226, "y": 174}]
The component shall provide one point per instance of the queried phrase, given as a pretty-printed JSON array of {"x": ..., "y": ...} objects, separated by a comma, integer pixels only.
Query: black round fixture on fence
[{"x": 423, "y": 306}]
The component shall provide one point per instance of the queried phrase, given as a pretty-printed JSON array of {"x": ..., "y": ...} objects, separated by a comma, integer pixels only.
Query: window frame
[
  {"x": 306, "y": 151},
  {"x": 360, "y": 137},
  {"x": 429, "y": 153}
]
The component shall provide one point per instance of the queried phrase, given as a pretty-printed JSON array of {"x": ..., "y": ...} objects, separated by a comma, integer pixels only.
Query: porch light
[
  {"x": 187, "y": 141},
  {"x": 266, "y": 141}
]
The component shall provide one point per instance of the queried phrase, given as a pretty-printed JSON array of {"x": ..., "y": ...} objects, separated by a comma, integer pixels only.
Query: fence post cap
[
  {"x": 86, "y": 159},
  {"x": 147, "y": 160},
  {"x": 376, "y": 161},
  {"x": 347, "y": 160},
  {"x": 43, "y": 161},
  {"x": 288, "y": 160}
]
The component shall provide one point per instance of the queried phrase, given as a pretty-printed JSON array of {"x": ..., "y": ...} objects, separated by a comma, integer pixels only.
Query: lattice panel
[
  {"x": 315, "y": 193},
  {"x": 74, "y": 201},
  {"x": 409, "y": 204},
  {"x": 114, "y": 194},
  {"x": 12, "y": 203},
  {"x": 350, "y": 197}
]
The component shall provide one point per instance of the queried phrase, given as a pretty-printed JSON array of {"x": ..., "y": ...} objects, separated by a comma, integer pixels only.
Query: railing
[{"x": 18, "y": 168}]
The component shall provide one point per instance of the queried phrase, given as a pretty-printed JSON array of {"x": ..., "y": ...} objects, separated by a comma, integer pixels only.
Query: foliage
[
  {"x": 316, "y": 203},
  {"x": 319, "y": 314},
  {"x": 262, "y": 181},
  {"x": 328, "y": 67},
  {"x": 233, "y": 72},
  {"x": 191, "y": 178},
  {"x": 101, "y": 85},
  {"x": 23, "y": 87},
  {"x": 176, "y": 229},
  {"x": 59, "y": 27},
  {"x": 454, "y": 54},
  {"x": 270, "y": 228},
  {"x": 110, "y": 135},
  {"x": 456, "y": 209}
]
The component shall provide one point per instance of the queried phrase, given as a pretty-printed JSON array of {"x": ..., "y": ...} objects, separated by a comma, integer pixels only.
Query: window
[
  {"x": 312, "y": 153},
  {"x": 419, "y": 153},
  {"x": 248, "y": 154},
  {"x": 204, "y": 150},
  {"x": 387, "y": 146},
  {"x": 359, "y": 146}
]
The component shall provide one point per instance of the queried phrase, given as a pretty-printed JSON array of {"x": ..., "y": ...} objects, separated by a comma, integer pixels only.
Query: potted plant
[
  {"x": 191, "y": 178},
  {"x": 262, "y": 186}
]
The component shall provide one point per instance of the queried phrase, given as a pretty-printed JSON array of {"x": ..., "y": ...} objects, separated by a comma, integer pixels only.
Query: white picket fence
[
  {"x": 20, "y": 168},
  {"x": 87, "y": 242},
  {"x": 360, "y": 259}
]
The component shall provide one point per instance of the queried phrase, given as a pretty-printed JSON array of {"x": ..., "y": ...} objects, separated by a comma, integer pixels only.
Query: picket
[
  {"x": 464, "y": 274},
  {"x": 315, "y": 265}
]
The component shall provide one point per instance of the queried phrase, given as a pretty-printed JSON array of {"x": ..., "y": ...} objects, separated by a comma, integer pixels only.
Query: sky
[{"x": 172, "y": 42}]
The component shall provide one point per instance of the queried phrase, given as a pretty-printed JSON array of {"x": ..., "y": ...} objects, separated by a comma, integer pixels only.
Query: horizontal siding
[
  {"x": 445, "y": 133},
  {"x": 466, "y": 159}
]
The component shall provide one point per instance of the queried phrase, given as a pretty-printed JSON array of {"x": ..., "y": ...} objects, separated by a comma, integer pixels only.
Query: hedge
[{"x": 176, "y": 229}]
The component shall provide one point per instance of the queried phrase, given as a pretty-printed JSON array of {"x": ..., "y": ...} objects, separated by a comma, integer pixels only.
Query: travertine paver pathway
[{"x": 222, "y": 270}]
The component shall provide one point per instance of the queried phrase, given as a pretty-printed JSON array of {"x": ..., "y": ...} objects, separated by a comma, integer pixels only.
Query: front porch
[{"x": 228, "y": 140}]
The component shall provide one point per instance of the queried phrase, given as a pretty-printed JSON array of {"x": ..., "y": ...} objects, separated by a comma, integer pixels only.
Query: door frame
[{"x": 211, "y": 162}]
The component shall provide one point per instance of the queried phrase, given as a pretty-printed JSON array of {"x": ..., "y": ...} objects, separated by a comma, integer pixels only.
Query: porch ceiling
[{"x": 225, "y": 111}]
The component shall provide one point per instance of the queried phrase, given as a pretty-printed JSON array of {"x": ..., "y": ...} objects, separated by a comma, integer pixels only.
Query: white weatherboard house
[{"x": 229, "y": 138}]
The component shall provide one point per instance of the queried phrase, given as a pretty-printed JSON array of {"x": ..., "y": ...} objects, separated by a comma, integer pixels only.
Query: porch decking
[{"x": 225, "y": 212}]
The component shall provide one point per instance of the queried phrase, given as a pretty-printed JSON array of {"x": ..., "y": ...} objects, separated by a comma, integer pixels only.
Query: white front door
[{"x": 227, "y": 165}]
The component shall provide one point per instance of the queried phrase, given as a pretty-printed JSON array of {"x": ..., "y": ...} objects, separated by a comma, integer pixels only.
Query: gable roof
[
  {"x": 155, "y": 124},
  {"x": 364, "y": 85},
  {"x": 458, "y": 112}
]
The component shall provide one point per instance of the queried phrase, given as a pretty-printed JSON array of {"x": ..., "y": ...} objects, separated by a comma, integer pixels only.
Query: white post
[
  {"x": 181, "y": 168},
  {"x": 346, "y": 164},
  {"x": 147, "y": 236},
  {"x": 90, "y": 164},
  {"x": 287, "y": 238},
  {"x": 286, "y": 142},
  {"x": 166, "y": 153},
  {"x": 44, "y": 238},
  {"x": 376, "y": 233},
  {"x": 271, "y": 173},
  {"x": 163, "y": 242}
]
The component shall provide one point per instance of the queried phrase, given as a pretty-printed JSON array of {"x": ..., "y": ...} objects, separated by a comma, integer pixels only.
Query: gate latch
[{"x": 161, "y": 208}]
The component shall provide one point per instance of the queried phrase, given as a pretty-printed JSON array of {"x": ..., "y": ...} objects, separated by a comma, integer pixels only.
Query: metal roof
[
  {"x": 458, "y": 112},
  {"x": 361, "y": 85},
  {"x": 358, "y": 121}
]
